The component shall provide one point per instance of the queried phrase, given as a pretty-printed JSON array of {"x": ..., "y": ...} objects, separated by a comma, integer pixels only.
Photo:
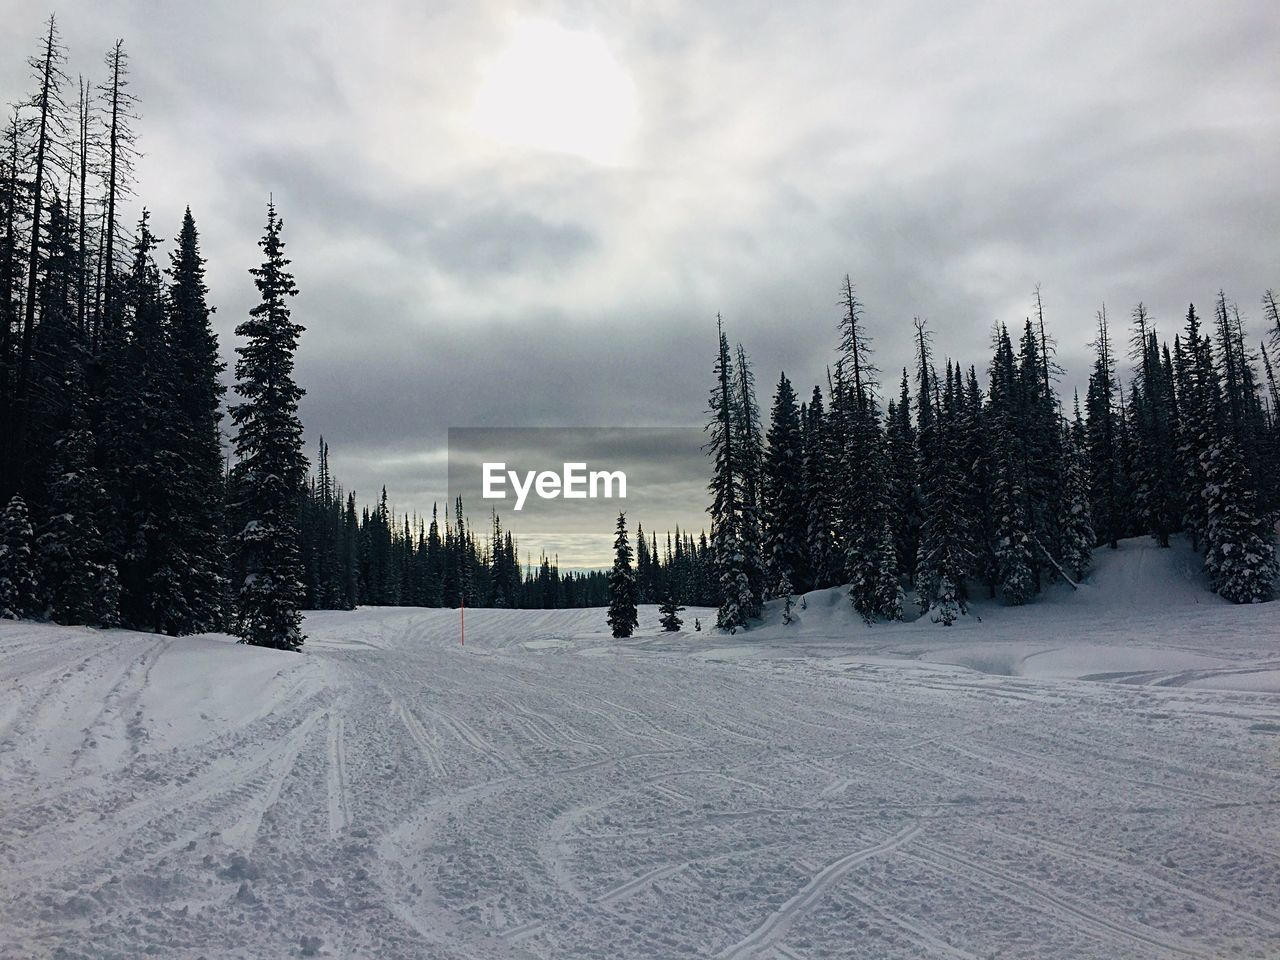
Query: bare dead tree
[{"x": 121, "y": 151}]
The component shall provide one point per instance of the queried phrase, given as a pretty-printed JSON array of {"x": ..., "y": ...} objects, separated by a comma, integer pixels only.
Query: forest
[
  {"x": 126, "y": 505},
  {"x": 961, "y": 483}
]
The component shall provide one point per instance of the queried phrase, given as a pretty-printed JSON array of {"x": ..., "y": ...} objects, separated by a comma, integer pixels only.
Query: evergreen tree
[
  {"x": 622, "y": 585},
  {"x": 146, "y": 467},
  {"x": 19, "y": 596},
  {"x": 976, "y": 431},
  {"x": 1014, "y": 523},
  {"x": 82, "y": 584},
  {"x": 944, "y": 555},
  {"x": 198, "y": 493},
  {"x": 783, "y": 493},
  {"x": 745, "y": 417},
  {"x": 1077, "y": 536},
  {"x": 788, "y": 600},
  {"x": 1151, "y": 401},
  {"x": 1199, "y": 414},
  {"x": 1241, "y": 555},
  {"x": 1104, "y": 453},
  {"x": 870, "y": 559},
  {"x": 271, "y": 467},
  {"x": 819, "y": 492},
  {"x": 904, "y": 491},
  {"x": 736, "y": 601},
  {"x": 670, "y": 611}
]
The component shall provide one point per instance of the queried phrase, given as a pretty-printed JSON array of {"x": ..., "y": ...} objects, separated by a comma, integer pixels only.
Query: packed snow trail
[{"x": 822, "y": 790}]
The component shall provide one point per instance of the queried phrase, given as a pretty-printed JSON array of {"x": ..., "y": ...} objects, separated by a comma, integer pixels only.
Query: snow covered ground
[{"x": 1093, "y": 776}]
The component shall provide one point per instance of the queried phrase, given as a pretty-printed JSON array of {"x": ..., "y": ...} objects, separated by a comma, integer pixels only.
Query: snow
[{"x": 1093, "y": 775}]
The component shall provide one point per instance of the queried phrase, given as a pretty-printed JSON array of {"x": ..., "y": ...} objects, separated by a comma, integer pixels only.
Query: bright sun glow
[{"x": 559, "y": 90}]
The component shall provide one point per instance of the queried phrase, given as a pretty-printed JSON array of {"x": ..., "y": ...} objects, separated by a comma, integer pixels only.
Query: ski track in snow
[{"x": 549, "y": 792}]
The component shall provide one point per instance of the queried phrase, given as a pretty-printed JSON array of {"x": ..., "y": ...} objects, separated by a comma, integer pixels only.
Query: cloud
[{"x": 949, "y": 157}]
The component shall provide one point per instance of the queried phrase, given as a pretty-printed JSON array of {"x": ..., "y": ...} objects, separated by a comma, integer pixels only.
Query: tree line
[
  {"x": 120, "y": 506},
  {"x": 958, "y": 484},
  {"x": 370, "y": 557}
]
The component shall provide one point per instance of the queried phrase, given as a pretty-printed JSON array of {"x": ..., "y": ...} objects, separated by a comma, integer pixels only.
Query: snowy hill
[{"x": 1093, "y": 775}]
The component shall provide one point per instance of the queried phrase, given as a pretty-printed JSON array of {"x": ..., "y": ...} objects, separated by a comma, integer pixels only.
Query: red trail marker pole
[{"x": 463, "y": 606}]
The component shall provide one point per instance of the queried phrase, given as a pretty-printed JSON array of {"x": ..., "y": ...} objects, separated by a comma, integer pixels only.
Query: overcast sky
[{"x": 529, "y": 214}]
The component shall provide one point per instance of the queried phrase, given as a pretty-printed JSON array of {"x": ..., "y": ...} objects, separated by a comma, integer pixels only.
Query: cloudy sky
[{"x": 529, "y": 214}]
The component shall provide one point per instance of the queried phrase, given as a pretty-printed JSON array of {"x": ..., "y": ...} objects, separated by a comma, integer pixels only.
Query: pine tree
[
  {"x": 1152, "y": 451},
  {"x": 735, "y": 598},
  {"x": 870, "y": 561},
  {"x": 1241, "y": 555},
  {"x": 1077, "y": 536},
  {"x": 50, "y": 140},
  {"x": 783, "y": 493},
  {"x": 745, "y": 417},
  {"x": 271, "y": 467},
  {"x": 1104, "y": 452},
  {"x": 82, "y": 583},
  {"x": 1014, "y": 522},
  {"x": 944, "y": 555},
  {"x": 198, "y": 495},
  {"x": 19, "y": 596},
  {"x": 904, "y": 491},
  {"x": 1199, "y": 415},
  {"x": 788, "y": 599},
  {"x": 622, "y": 585},
  {"x": 147, "y": 472},
  {"x": 976, "y": 439},
  {"x": 819, "y": 487},
  {"x": 670, "y": 611}
]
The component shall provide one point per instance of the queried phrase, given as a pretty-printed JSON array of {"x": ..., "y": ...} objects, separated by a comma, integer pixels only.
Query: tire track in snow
[
  {"x": 522, "y": 932},
  {"x": 418, "y": 734},
  {"x": 467, "y": 734},
  {"x": 245, "y": 830},
  {"x": 557, "y": 726},
  {"x": 624, "y": 890},
  {"x": 932, "y": 944},
  {"x": 777, "y": 924},
  {"x": 1110, "y": 865},
  {"x": 339, "y": 792},
  {"x": 1057, "y": 906}
]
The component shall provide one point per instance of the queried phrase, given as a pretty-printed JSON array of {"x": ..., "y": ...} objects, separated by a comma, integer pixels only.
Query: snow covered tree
[
  {"x": 819, "y": 495},
  {"x": 889, "y": 599},
  {"x": 1152, "y": 449},
  {"x": 670, "y": 611},
  {"x": 1076, "y": 534},
  {"x": 783, "y": 505},
  {"x": 863, "y": 489},
  {"x": 904, "y": 492},
  {"x": 944, "y": 556},
  {"x": 736, "y": 599},
  {"x": 1199, "y": 404},
  {"x": 272, "y": 467},
  {"x": 1014, "y": 524},
  {"x": 750, "y": 456},
  {"x": 1104, "y": 454},
  {"x": 622, "y": 584},
  {"x": 198, "y": 496},
  {"x": 81, "y": 580},
  {"x": 19, "y": 596},
  {"x": 1241, "y": 555},
  {"x": 146, "y": 470},
  {"x": 976, "y": 440},
  {"x": 788, "y": 599}
]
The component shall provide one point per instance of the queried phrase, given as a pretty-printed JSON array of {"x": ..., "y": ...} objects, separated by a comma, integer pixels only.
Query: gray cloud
[{"x": 949, "y": 157}]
